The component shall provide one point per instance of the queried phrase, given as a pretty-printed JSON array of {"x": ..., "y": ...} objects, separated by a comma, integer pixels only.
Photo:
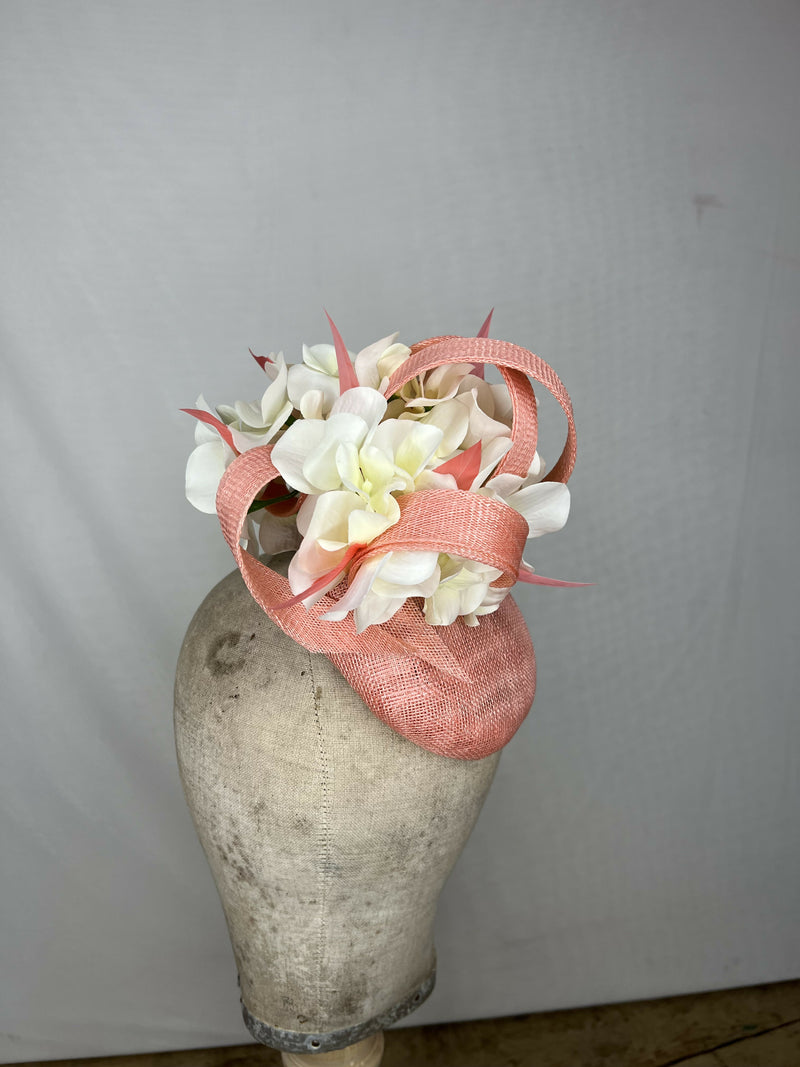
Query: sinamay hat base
[{"x": 329, "y": 835}]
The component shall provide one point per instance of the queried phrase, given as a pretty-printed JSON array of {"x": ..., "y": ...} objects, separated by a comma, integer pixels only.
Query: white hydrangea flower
[
  {"x": 382, "y": 585},
  {"x": 489, "y": 410},
  {"x": 434, "y": 387},
  {"x": 451, "y": 587},
  {"x": 258, "y": 423},
  {"x": 206, "y": 464},
  {"x": 351, "y": 453},
  {"x": 545, "y": 505},
  {"x": 350, "y": 465},
  {"x": 464, "y": 589},
  {"x": 313, "y": 385},
  {"x": 250, "y": 425},
  {"x": 466, "y": 408}
]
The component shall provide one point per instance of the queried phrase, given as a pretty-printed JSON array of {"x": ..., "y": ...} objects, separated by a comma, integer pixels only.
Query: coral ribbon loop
[
  {"x": 455, "y": 521},
  {"x": 516, "y": 365},
  {"x": 455, "y": 690},
  {"x": 240, "y": 484}
]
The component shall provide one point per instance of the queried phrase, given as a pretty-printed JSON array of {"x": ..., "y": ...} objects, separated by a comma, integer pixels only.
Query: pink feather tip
[
  {"x": 323, "y": 581},
  {"x": 347, "y": 372},
  {"x": 484, "y": 330},
  {"x": 478, "y": 369},
  {"x": 527, "y": 575},
  {"x": 262, "y": 361},
  {"x": 465, "y": 467},
  {"x": 212, "y": 420}
]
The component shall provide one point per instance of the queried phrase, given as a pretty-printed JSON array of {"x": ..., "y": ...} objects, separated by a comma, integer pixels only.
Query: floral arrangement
[{"x": 350, "y": 450}]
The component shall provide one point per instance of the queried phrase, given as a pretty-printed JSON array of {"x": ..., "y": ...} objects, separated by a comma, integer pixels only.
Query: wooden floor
[{"x": 754, "y": 1027}]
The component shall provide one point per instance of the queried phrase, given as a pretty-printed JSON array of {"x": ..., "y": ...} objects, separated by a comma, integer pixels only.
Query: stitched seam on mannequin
[{"x": 325, "y": 838}]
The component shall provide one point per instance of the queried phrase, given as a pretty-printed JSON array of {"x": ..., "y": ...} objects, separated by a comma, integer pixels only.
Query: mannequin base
[
  {"x": 311, "y": 1047},
  {"x": 366, "y": 1053}
]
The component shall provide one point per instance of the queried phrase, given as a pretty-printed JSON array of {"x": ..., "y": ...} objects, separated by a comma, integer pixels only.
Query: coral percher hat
[{"x": 458, "y": 690}]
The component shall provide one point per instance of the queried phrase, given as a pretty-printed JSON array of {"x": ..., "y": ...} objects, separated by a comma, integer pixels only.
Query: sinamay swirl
[{"x": 460, "y": 691}]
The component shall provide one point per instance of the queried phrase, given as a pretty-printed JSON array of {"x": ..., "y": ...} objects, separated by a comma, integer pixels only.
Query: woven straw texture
[{"x": 455, "y": 690}]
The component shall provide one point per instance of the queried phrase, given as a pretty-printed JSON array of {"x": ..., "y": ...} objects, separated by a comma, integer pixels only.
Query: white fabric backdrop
[{"x": 619, "y": 178}]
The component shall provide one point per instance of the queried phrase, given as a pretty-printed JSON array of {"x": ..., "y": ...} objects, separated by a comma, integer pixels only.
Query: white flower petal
[
  {"x": 305, "y": 513},
  {"x": 409, "y": 568},
  {"x": 245, "y": 440},
  {"x": 330, "y": 518},
  {"x": 366, "y": 362},
  {"x": 481, "y": 426},
  {"x": 378, "y": 468},
  {"x": 410, "y": 443},
  {"x": 418, "y": 448},
  {"x": 248, "y": 415},
  {"x": 452, "y": 419},
  {"x": 275, "y": 396},
  {"x": 393, "y": 357},
  {"x": 503, "y": 485},
  {"x": 302, "y": 577},
  {"x": 368, "y": 404},
  {"x": 429, "y": 479},
  {"x": 291, "y": 451},
  {"x": 273, "y": 364},
  {"x": 503, "y": 409},
  {"x": 358, "y": 588},
  {"x": 204, "y": 433},
  {"x": 204, "y": 469},
  {"x": 312, "y": 404},
  {"x": 374, "y": 610},
  {"x": 302, "y": 379},
  {"x": 347, "y": 466},
  {"x": 364, "y": 526},
  {"x": 537, "y": 469},
  {"x": 545, "y": 505},
  {"x": 319, "y": 467},
  {"x": 441, "y": 609},
  {"x": 491, "y": 454},
  {"x": 322, "y": 358}
]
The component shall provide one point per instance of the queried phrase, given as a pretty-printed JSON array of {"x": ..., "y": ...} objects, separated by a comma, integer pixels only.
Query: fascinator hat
[{"x": 407, "y": 487}]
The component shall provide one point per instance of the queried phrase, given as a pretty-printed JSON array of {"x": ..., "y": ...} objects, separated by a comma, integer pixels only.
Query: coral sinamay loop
[
  {"x": 462, "y": 523},
  {"x": 516, "y": 365}
]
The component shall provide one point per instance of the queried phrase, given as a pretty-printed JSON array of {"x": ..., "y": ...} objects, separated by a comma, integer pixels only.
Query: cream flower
[
  {"x": 545, "y": 505},
  {"x": 258, "y": 423},
  {"x": 350, "y": 465},
  {"x": 351, "y": 475},
  {"x": 465, "y": 590},
  {"x": 250, "y": 425},
  {"x": 351, "y": 454},
  {"x": 305, "y": 456},
  {"x": 489, "y": 410},
  {"x": 417, "y": 397},
  {"x": 375, "y": 364},
  {"x": 451, "y": 587},
  {"x": 314, "y": 384},
  {"x": 382, "y": 585},
  {"x": 466, "y": 408},
  {"x": 206, "y": 464}
]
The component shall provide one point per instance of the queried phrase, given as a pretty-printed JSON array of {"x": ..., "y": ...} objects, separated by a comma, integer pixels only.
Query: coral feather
[
  {"x": 347, "y": 372},
  {"x": 212, "y": 420}
]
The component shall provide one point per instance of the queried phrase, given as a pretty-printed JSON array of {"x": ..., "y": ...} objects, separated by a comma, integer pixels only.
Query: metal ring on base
[{"x": 297, "y": 1041}]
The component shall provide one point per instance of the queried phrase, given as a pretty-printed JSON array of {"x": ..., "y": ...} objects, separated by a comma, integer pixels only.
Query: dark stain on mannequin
[
  {"x": 221, "y": 657},
  {"x": 347, "y": 1002}
]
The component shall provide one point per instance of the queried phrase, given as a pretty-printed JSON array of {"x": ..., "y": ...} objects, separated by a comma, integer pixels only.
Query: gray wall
[{"x": 620, "y": 179}]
